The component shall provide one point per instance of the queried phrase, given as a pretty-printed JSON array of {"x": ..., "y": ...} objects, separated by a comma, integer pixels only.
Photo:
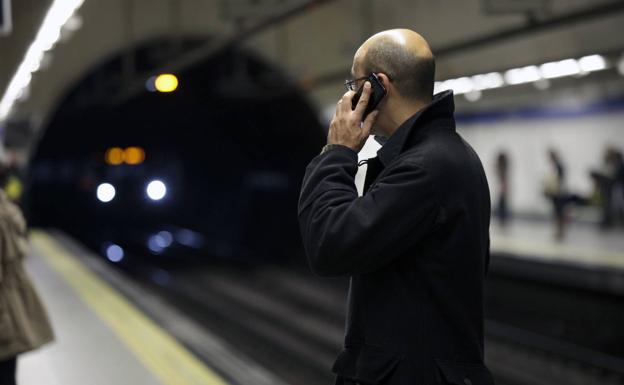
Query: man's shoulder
[
  {"x": 430, "y": 152},
  {"x": 440, "y": 156}
]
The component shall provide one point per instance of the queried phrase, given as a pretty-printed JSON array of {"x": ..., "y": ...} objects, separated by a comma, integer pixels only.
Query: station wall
[{"x": 580, "y": 137}]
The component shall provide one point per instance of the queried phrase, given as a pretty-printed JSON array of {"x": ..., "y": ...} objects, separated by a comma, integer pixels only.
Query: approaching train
[{"x": 210, "y": 170}]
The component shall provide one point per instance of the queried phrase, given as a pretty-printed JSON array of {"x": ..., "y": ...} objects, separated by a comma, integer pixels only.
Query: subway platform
[
  {"x": 586, "y": 257},
  {"x": 280, "y": 326},
  {"x": 583, "y": 244}
]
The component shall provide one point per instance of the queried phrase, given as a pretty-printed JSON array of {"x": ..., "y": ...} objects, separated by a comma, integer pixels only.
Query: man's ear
[{"x": 384, "y": 79}]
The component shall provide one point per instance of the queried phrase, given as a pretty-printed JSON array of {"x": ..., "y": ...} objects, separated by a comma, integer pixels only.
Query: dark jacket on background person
[
  {"x": 24, "y": 324},
  {"x": 416, "y": 248}
]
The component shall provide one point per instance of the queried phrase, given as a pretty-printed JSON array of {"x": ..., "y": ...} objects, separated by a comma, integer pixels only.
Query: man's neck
[{"x": 405, "y": 111}]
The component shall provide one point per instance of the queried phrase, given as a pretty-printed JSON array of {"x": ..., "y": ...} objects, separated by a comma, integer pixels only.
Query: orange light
[
  {"x": 114, "y": 156},
  {"x": 134, "y": 155}
]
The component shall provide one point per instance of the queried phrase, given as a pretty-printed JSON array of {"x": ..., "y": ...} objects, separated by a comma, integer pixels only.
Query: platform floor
[
  {"x": 583, "y": 245},
  {"x": 103, "y": 338}
]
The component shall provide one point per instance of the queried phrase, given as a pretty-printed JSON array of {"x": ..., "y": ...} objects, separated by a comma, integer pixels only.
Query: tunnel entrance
[{"x": 230, "y": 145}]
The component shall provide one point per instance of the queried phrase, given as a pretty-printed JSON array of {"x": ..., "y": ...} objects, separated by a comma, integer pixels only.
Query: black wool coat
[{"x": 416, "y": 249}]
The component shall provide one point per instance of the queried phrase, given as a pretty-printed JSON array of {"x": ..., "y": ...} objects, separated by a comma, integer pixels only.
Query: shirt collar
[{"x": 442, "y": 106}]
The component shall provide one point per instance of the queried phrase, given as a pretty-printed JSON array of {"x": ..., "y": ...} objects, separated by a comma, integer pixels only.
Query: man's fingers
[
  {"x": 367, "y": 125},
  {"x": 363, "y": 102},
  {"x": 345, "y": 103},
  {"x": 348, "y": 96}
]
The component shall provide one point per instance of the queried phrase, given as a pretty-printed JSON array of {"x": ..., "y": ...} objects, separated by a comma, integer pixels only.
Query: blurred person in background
[
  {"x": 502, "y": 174},
  {"x": 416, "y": 243},
  {"x": 14, "y": 187},
  {"x": 24, "y": 324},
  {"x": 555, "y": 190},
  {"x": 608, "y": 180},
  {"x": 618, "y": 186}
]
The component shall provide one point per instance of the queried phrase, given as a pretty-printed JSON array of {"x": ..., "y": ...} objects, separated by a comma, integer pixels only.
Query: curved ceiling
[{"x": 311, "y": 41}]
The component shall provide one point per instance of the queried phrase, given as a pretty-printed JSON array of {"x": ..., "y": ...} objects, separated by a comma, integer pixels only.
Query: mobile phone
[{"x": 378, "y": 91}]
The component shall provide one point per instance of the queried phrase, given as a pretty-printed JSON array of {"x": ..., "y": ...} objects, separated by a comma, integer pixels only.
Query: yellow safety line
[{"x": 171, "y": 362}]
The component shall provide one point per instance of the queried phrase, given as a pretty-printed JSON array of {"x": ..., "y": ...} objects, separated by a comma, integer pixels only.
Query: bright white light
[
  {"x": 488, "y": 81},
  {"x": 114, "y": 253},
  {"x": 592, "y": 63},
  {"x": 522, "y": 75},
  {"x": 156, "y": 190},
  {"x": 437, "y": 87},
  {"x": 561, "y": 68},
  {"x": 443, "y": 85},
  {"x": 459, "y": 85},
  {"x": 463, "y": 85},
  {"x": 538, "y": 75},
  {"x": 105, "y": 192},
  {"x": 49, "y": 33}
]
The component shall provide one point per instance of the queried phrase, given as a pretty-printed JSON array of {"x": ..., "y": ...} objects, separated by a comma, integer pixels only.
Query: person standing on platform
[
  {"x": 502, "y": 172},
  {"x": 606, "y": 180},
  {"x": 416, "y": 243},
  {"x": 618, "y": 186},
  {"x": 555, "y": 190},
  {"x": 24, "y": 324}
]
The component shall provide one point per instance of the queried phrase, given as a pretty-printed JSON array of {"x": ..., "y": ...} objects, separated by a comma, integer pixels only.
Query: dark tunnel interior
[{"x": 231, "y": 145}]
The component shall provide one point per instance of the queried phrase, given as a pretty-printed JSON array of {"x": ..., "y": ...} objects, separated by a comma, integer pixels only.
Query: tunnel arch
[{"x": 231, "y": 144}]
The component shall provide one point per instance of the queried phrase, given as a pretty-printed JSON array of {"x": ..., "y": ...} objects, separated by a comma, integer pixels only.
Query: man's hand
[{"x": 346, "y": 127}]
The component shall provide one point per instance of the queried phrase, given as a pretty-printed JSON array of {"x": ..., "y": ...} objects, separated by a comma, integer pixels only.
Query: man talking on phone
[{"x": 415, "y": 245}]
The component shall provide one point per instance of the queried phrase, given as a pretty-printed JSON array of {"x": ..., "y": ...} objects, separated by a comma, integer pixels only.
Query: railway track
[{"x": 292, "y": 323}]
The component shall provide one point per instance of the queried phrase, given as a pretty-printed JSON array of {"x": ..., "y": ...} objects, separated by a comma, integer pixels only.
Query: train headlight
[
  {"x": 156, "y": 190},
  {"x": 105, "y": 192},
  {"x": 114, "y": 253}
]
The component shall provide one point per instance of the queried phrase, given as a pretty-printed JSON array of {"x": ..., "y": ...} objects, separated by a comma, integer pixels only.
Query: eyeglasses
[{"x": 351, "y": 84}]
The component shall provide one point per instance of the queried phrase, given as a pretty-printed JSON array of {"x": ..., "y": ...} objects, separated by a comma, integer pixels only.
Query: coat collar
[{"x": 439, "y": 113}]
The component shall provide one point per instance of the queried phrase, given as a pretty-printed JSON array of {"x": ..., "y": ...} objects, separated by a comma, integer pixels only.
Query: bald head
[{"x": 404, "y": 56}]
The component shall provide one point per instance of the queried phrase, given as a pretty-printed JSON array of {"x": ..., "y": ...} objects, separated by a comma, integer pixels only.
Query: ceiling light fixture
[
  {"x": 49, "y": 33},
  {"x": 528, "y": 74}
]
